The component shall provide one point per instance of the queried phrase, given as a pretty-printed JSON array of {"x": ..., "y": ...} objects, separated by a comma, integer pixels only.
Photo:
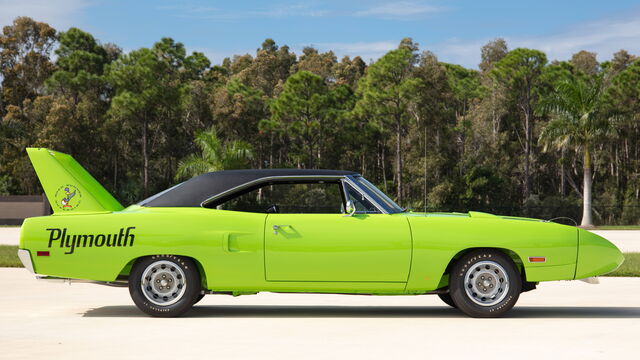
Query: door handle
[{"x": 276, "y": 227}]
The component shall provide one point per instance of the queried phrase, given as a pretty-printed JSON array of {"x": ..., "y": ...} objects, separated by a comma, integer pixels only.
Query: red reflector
[
  {"x": 43, "y": 253},
  {"x": 537, "y": 259}
]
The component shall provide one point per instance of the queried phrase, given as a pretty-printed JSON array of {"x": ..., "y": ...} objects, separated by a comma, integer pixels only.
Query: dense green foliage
[{"x": 521, "y": 135}]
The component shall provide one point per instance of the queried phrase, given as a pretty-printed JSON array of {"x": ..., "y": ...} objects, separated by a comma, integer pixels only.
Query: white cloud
[
  {"x": 213, "y": 13},
  {"x": 399, "y": 10},
  {"x": 292, "y": 10},
  {"x": 604, "y": 36},
  {"x": 61, "y": 14}
]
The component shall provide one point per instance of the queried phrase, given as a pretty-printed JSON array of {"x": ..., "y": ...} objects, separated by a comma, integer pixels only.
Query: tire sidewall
[
  {"x": 446, "y": 298},
  {"x": 457, "y": 284},
  {"x": 192, "y": 290}
]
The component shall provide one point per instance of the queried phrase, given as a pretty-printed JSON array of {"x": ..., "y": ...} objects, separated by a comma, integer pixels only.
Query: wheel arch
[
  {"x": 126, "y": 269},
  {"x": 510, "y": 253}
]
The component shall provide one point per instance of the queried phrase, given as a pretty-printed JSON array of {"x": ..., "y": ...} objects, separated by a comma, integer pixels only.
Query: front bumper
[{"x": 25, "y": 257}]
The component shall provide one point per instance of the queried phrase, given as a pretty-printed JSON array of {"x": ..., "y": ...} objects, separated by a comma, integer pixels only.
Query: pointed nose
[{"x": 596, "y": 255}]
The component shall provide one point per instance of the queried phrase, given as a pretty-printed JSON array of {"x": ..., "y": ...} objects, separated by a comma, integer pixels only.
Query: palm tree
[
  {"x": 215, "y": 155},
  {"x": 578, "y": 122}
]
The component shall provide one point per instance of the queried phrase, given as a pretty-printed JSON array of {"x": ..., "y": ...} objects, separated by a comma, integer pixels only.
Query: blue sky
[{"x": 454, "y": 30}]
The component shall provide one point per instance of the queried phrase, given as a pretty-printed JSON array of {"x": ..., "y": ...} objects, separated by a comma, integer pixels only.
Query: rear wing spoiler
[{"x": 68, "y": 186}]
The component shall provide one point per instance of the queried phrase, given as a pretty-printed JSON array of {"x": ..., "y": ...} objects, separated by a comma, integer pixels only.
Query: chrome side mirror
[{"x": 350, "y": 208}]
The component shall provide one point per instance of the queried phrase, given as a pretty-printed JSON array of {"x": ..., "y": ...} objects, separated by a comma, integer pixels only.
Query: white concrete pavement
[
  {"x": 9, "y": 235},
  {"x": 625, "y": 240},
  {"x": 559, "y": 320}
]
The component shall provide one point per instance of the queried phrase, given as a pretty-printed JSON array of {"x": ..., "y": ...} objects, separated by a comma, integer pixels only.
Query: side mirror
[{"x": 350, "y": 208}]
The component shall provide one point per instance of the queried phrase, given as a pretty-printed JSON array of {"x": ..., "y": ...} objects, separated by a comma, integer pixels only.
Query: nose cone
[{"x": 596, "y": 255}]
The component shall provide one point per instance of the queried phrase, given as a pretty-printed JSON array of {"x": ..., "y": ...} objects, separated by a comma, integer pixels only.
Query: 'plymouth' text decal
[{"x": 124, "y": 237}]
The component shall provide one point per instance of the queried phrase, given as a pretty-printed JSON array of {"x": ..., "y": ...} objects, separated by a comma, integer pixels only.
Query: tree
[
  {"x": 25, "y": 48},
  {"x": 519, "y": 75},
  {"x": 148, "y": 91},
  {"x": 270, "y": 67},
  {"x": 492, "y": 52},
  {"x": 349, "y": 71},
  {"x": 24, "y": 59},
  {"x": 578, "y": 121},
  {"x": 300, "y": 113},
  {"x": 238, "y": 109},
  {"x": 621, "y": 60},
  {"x": 312, "y": 61},
  {"x": 386, "y": 92},
  {"x": 215, "y": 155},
  {"x": 585, "y": 62},
  {"x": 79, "y": 65}
]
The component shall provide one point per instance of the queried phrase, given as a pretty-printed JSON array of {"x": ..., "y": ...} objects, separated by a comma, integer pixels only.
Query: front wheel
[
  {"x": 446, "y": 298},
  {"x": 485, "y": 283},
  {"x": 164, "y": 285}
]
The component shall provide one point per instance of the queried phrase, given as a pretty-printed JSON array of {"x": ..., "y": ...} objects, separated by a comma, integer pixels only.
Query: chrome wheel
[
  {"x": 486, "y": 283},
  {"x": 163, "y": 283}
]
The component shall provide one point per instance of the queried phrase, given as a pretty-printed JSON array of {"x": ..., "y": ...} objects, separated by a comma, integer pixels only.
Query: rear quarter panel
[
  {"x": 227, "y": 245},
  {"x": 439, "y": 239}
]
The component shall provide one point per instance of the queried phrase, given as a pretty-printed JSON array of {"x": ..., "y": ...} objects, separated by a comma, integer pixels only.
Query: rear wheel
[
  {"x": 485, "y": 283},
  {"x": 164, "y": 285}
]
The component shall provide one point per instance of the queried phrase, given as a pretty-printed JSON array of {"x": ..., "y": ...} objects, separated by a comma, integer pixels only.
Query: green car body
[{"x": 93, "y": 237}]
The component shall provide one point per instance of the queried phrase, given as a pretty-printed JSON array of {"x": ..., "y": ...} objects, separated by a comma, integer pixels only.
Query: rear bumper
[{"x": 25, "y": 257}]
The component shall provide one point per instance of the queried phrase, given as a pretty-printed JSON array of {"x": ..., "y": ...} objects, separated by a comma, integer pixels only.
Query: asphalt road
[{"x": 559, "y": 320}]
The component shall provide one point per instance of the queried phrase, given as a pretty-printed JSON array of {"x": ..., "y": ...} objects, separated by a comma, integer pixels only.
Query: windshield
[{"x": 378, "y": 195}]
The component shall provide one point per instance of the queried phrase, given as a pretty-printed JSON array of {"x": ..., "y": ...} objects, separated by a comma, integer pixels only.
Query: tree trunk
[
  {"x": 425, "y": 168},
  {"x": 271, "y": 151},
  {"x": 384, "y": 170},
  {"x": 527, "y": 155},
  {"x": 562, "y": 180},
  {"x": 145, "y": 156},
  {"x": 398, "y": 162},
  {"x": 586, "y": 204}
]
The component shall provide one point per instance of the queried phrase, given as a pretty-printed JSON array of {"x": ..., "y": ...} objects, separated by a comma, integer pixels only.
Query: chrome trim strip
[
  {"x": 267, "y": 179},
  {"x": 354, "y": 185},
  {"x": 54, "y": 279},
  {"x": 25, "y": 258}
]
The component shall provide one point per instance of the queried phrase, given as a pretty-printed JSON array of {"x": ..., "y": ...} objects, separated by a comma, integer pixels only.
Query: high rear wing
[{"x": 68, "y": 186}]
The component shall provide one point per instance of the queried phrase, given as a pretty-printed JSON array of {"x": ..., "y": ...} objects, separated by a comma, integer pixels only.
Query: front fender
[{"x": 439, "y": 239}]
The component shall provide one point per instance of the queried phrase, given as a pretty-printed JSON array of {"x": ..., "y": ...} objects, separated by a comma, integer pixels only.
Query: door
[
  {"x": 332, "y": 247},
  {"x": 310, "y": 239}
]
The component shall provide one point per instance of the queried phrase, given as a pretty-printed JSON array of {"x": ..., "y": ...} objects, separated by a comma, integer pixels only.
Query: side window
[
  {"x": 289, "y": 198},
  {"x": 363, "y": 206}
]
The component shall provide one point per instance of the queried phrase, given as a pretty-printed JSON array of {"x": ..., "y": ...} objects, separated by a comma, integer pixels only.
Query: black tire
[
  {"x": 178, "y": 277},
  {"x": 200, "y": 297},
  {"x": 446, "y": 298},
  {"x": 493, "y": 282}
]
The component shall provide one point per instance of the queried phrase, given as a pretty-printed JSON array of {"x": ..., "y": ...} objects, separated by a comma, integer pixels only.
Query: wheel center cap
[
  {"x": 485, "y": 283},
  {"x": 163, "y": 282}
]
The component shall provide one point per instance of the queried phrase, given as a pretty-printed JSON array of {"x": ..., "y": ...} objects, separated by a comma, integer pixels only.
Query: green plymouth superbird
[{"x": 292, "y": 230}]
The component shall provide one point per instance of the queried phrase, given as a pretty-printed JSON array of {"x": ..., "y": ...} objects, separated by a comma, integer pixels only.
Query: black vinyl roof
[{"x": 193, "y": 192}]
